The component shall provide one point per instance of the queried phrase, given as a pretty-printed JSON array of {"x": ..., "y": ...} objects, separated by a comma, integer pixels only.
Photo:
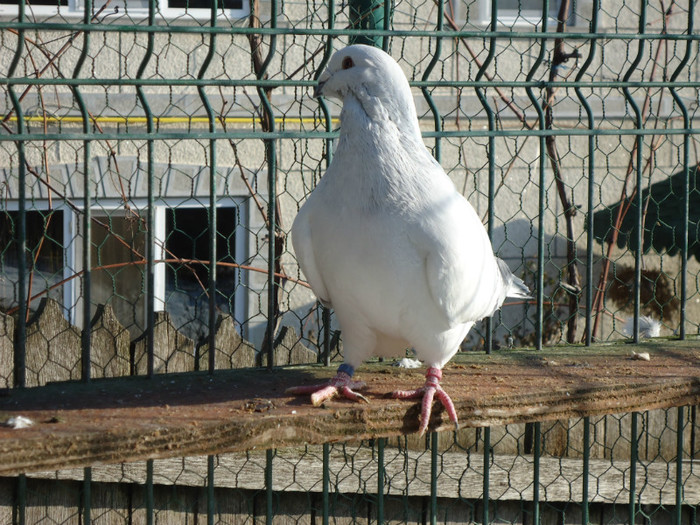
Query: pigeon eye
[{"x": 348, "y": 63}]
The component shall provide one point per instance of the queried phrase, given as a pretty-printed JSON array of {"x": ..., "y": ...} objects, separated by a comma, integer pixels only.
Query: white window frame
[
  {"x": 12, "y": 8},
  {"x": 68, "y": 242},
  {"x": 511, "y": 17},
  {"x": 75, "y": 9},
  {"x": 202, "y": 13},
  {"x": 73, "y": 249}
]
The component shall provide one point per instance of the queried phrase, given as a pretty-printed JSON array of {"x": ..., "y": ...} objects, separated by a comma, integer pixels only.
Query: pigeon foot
[
  {"x": 428, "y": 392},
  {"x": 341, "y": 385}
]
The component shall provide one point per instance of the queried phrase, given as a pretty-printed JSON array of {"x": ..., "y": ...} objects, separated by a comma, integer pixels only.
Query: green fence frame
[{"x": 370, "y": 23}]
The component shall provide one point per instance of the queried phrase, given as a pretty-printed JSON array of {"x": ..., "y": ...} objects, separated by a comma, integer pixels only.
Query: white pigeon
[{"x": 386, "y": 239}]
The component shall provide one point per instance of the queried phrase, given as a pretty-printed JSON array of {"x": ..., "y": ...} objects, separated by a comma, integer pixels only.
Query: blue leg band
[{"x": 346, "y": 368}]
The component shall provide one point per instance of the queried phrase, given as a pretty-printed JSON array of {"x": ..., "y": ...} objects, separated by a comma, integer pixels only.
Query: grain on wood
[
  {"x": 232, "y": 351},
  {"x": 353, "y": 470},
  {"x": 288, "y": 349},
  {"x": 198, "y": 413},
  {"x": 172, "y": 351},
  {"x": 7, "y": 335},
  {"x": 109, "y": 345},
  {"x": 53, "y": 346}
]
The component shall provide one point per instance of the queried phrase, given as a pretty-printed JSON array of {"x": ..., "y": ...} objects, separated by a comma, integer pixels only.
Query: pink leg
[
  {"x": 341, "y": 385},
  {"x": 427, "y": 392}
]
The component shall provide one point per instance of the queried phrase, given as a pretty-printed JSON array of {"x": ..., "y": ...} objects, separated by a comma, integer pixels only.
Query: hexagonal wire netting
[{"x": 155, "y": 152}]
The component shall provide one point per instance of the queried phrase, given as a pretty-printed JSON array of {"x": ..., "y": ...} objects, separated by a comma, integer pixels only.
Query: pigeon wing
[
  {"x": 304, "y": 249},
  {"x": 460, "y": 269}
]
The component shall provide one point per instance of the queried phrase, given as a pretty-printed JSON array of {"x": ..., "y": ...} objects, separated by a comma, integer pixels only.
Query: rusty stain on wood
[{"x": 129, "y": 419}]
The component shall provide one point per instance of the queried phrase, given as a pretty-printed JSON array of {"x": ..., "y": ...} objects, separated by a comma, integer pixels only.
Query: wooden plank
[
  {"x": 7, "y": 336},
  {"x": 127, "y": 419},
  {"x": 407, "y": 474},
  {"x": 288, "y": 349},
  {"x": 109, "y": 345},
  {"x": 7, "y": 499},
  {"x": 232, "y": 351},
  {"x": 51, "y": 502},
  {"x": 172, "y": 351},
  {"x": 53, "y": 346}
]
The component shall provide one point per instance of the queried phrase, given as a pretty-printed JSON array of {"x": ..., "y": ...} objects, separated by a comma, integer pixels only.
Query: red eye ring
[{"x": 347, "y": 63}]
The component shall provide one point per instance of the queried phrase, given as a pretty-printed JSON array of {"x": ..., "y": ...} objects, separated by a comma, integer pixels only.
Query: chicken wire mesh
[{"x": 154, "y": 155}]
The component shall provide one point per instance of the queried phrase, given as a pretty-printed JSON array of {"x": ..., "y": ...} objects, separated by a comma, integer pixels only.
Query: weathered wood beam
[{"x": 177, "y": 415}]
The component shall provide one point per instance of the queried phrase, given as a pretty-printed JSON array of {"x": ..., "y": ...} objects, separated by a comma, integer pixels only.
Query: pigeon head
[{"x": 368, "y": 80}]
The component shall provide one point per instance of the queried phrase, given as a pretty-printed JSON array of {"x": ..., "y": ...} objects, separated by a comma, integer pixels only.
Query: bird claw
[
  {"x": 340, "y": 385},
  {"x": 431, "y": 389}
]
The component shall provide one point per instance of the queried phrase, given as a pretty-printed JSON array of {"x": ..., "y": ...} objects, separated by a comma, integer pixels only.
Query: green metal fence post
[
  {"x": 87, "y": 201},
  {"x": 150, "y": 212},
  {"x": 639, "y": 144},
  {"x": 542, "y": 195},
  {"x": 481, "y": 94},
  {"x": 380, "y": 480},
  {"x": 211, "y": 497},
  {"x": 586, "y": 470},
  {"x": 212, "y": 192},
  {"x": 325, "y": 353},
  {"x": 593, "y": 28},
  {"x": 86, "y": 496},
  {"x": 19, "y": 509},
  {"x": 487, "y": 474},
  {"x": 326, "y": 484},
  {"x": 686, "y": 167},
  {"x": 269, "y": 492},
  {"x": 150, "y": 499},
  {"x": 271, "y": 158},
  {"x": 388, "y": 8},
  {"x": 19, "y": 369},
  {"x": 678, "y": 511},
  {"x": 536, "y": 451},
  {"x": 437, "y": 120},
  {"x": 369, "y": 14},
  {"x": 433, "y": 476},
  {"x": 634, "y": 448}
]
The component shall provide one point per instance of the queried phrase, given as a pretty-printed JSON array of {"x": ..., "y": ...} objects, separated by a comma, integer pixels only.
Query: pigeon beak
[{"x": 318, "y": 91}]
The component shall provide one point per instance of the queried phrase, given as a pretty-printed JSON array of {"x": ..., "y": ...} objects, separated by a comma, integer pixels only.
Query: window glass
[
  {"x": 187, "y": 279},
  {"x": 118, "y": 275},
  {"x": 44, "y": 256},
  {"x": 515, "y": 12},
  {"x": 205, "y": 4},
  {"x": 30, "y": 3}
]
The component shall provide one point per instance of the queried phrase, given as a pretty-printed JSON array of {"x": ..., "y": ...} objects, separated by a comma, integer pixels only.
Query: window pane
[
  {"x": 187, "y": 280},
  {"x": 205, "y": 4},
  {"x": 37, "y": 2},
  {"x": 119, "y": 241},
  {"x": 44, "y": 256},
  {"x": 525, "y": 11}
]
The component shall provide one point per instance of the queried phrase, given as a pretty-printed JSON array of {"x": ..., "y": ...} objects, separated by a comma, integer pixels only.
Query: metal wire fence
[{"x": 154, "y": 154}]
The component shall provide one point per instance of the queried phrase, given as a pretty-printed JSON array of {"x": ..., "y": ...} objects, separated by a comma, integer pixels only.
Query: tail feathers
[{"x": 515, "y": 287}]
